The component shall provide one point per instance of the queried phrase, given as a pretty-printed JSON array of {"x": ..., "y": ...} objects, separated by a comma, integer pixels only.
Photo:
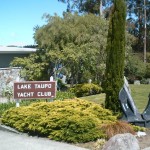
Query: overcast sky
[{"x": 19, "y": 17}]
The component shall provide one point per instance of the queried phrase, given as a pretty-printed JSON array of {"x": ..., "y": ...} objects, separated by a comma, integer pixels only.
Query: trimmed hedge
[
  {"x": 86, "y": 89},
  {"x": 70, "y": 120},
  {"x": 6, "y": 106},
  {"x": 59, "y": 96}
]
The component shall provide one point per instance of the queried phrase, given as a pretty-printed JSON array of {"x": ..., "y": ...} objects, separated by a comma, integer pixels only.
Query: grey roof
[{"x": 16, "y": 50}]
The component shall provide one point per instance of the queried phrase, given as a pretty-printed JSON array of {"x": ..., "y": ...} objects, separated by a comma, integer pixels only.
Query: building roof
[{"x": 16, "y": 50}]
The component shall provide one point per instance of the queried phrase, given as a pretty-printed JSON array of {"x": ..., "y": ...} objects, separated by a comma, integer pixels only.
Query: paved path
[{"x": 13, "y": 141}]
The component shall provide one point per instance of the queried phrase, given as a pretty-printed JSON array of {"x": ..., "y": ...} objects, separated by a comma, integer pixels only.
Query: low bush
[
  {"x": 7, "y": 92},
  {"x": 86, "y": 89},
  {"x": 138, "y": 128},
  {"x": 6, "y": 106},
  {"x": 59, "y": 96},
  {"x": 147, "y": 75},
  {"x": 61, "y": 86},
  {"x": 144, "y": 81},
  {"x": 70, "y": 120}
]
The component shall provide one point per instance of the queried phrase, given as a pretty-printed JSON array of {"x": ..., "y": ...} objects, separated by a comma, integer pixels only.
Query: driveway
[{"x": 14, "y": 141}]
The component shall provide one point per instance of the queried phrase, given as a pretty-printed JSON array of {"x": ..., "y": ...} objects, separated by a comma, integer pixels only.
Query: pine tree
[{"x": 115, "y": 56}]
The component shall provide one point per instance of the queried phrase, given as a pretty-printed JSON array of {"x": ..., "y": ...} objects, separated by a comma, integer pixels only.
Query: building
[
  {"x": 7, "y": 54},
  {"x": 10, "y": 74}
]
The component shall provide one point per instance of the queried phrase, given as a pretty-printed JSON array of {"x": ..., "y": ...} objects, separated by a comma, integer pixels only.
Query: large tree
[
  {"x": 115, "y": 56},
  {"x": 87, "y": 6},
  {"x": 135, "y": 16},
  {"x": 76, "y": 42}
]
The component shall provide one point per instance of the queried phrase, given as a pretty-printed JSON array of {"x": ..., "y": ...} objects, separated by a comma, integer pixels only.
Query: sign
[{"x": 34, "y": 89}]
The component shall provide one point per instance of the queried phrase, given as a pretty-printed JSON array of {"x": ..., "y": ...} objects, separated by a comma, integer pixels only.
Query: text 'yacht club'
[{"x": 34, "y": 89}]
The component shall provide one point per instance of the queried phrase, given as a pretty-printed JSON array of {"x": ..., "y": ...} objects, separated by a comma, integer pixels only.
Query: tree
[
  {"x": 87, "y": 6},
  {"x": 135, "y": 68},
  {"x": 115, "y": 56},
  {"x": 33, "y": 68},
  {"x": 136, "y": 22},
  {"x": 76, "y": 42},
  {"x": 135, "y": 16}
]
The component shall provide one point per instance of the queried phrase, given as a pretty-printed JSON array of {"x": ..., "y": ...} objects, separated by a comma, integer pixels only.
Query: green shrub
[
  {"x": 144, "y": 81},
  {"x": 7, "y": 92},
  {"x": 6, "y": 106},
  {"x": 135, "y": 68},
  {"x": 148, "y": 57},
  {"x": 59, "y": 96},
  {"x": 147, "y": 75},
  {"x": 138, "y": 128},
  {"x": 61, "y": 86},
  {"x": 86, "y": 89},
  {"x": 70, "y": 120}
]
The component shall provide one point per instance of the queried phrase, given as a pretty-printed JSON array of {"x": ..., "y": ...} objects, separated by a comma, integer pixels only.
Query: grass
[
  {"x": 99, "y": 98},
  {"x": 139, "y": 94}
]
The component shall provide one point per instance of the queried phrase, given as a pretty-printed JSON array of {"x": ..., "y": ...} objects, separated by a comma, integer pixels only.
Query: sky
[{"x": 19, "y": 17}]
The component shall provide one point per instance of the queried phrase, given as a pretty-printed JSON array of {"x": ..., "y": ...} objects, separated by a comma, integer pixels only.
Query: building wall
[
  {"x": 7, "y": 74},
  {"x": 7, "y": 78},
  {"x": 5, "y": 59}
]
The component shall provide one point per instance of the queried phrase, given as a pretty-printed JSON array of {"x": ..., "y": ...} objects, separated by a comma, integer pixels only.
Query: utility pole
[{"x": 144, "y": 31}]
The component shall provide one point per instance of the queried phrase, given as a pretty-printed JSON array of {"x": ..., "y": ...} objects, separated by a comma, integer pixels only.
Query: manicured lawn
[
  {"x": 99, "y": 98},
  {"x": 139, "y": 94}
]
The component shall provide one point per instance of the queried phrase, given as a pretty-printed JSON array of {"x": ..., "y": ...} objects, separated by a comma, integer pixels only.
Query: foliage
[
  {"x": 7, "y": 92},
  {"x": 97, "y": 7},
  {"x": 86, "y": 89},
  {"x": 135, "y": 68},
  {"x": 71, "y": 120},
  {"x": 90, "y": 6},
  {"x": 77, "y": 42},
  {"x": 6, "y": 106},
  {"x": 115, "y": 56},
  {"x": 61, "y": 86},
  {"x": 32, "y": 67},
  {"x": 59, "y": 96},
  {"x": 131, "y": 41},
  {"x": 138, "y": 128},
  {"x": 135, "y": 12},
  {"x": 144, "y": 81},
  {"x": 136, "y": 22},
  {"x": 147, "y": 74},
  {"x": 118, "y": 127},
  {"x": 148, "y": 57}
]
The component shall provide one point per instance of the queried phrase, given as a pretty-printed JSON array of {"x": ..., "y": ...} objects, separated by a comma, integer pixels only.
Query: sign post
[
  {"x": 52, "y": 79},
  {"x": 34, "y": 90},
  {"x": 17, "y": 103}
]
